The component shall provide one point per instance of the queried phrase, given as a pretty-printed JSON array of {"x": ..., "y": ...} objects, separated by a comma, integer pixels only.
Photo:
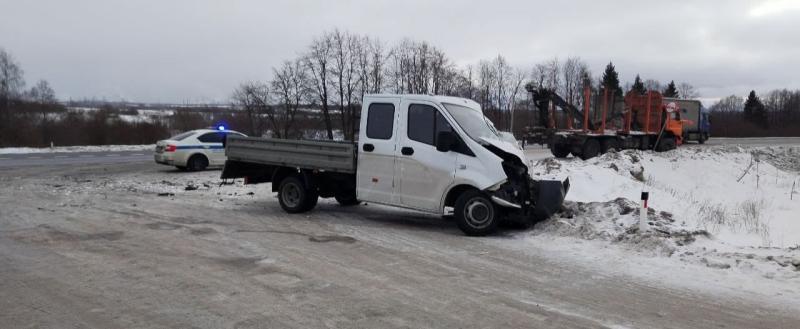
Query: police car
[{"x": 194, "y": 150}]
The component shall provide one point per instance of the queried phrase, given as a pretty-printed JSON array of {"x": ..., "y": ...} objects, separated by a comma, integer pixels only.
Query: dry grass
[{"x": 746, "y": 217}]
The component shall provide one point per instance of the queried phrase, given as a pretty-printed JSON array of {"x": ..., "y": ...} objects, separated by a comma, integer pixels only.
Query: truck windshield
[{"x": 474, "y": 123}]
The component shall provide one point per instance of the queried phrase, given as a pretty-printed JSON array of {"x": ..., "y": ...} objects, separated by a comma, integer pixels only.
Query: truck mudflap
[{"x": 550, "y": 197}]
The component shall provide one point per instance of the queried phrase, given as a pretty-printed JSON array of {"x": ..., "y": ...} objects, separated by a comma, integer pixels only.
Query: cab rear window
[{"x": 380, "y": 121}]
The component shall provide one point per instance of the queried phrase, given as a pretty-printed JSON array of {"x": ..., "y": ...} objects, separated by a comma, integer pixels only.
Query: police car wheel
[{"x": 197, "y": 163}]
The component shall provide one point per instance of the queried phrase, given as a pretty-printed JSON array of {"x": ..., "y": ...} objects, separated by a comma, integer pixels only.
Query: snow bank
[
  {"x": 718, "y": 207},
  {"x": 740, "y": 195},
  {"x": 72, "y": 149}
]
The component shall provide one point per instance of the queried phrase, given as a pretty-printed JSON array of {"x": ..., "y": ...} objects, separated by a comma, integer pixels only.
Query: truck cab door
[
  {"x": 422, "y": 173},
  {"x": 376, "y": 150}
]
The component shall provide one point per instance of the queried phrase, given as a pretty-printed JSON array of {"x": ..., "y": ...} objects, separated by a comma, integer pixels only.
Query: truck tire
[
  {"x": 590, "y": 149},
  {"x": 197, "y": 162},
  {"x": 476, "y": 214},
  {"x": 560, "y": 151},
  {"x": 294, "y": 197},
  {"x": 666, "y": 144},
  {"x": 347, "y": 199},
  {"x": 609, "y": 144}
]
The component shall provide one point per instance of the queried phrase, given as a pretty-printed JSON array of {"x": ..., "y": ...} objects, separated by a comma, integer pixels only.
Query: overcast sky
[{"x": 198, "y": 51}]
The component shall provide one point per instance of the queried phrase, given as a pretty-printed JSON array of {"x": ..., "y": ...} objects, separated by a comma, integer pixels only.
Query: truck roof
[{"x": 431, "y": 98}]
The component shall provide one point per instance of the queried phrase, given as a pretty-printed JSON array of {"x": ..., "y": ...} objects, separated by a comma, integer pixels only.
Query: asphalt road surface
[
  {"x": 69, "y": 158},
  {"x": 88, "y": 244}
]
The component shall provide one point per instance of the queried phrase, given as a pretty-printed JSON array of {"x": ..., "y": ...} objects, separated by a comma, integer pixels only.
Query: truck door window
[
  {"x": 425, "y": 123},
  {"x": 380, "y": 121}
]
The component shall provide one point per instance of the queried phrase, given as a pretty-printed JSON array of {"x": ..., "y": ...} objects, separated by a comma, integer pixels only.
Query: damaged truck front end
[{"x": 524, "y": 199}]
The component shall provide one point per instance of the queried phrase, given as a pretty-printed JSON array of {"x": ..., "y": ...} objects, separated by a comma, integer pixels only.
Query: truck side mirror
[{"x": 446, "y": 140}]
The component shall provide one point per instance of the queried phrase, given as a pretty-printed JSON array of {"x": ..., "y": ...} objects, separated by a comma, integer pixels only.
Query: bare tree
[
  {"x": 253, "y": 98},
  {"x": 553, "y": 80},
  {"x": 345, "y": 78},
  {"x": 653, "y": 85},
  {"x": 370, "y": 58},
  {"x": 11, "y": 76},
  {"x": 572, "y": 72},
  {"x": 289, "y": 86},
  {"x": 516, "y": 82},
  {"x": 539, "y": 75},
  {"x": 418, "y": 67},
  {"x": 502, "y": 73},
  {"x": 687, "y": 91},
  {"x": 731, "y": 103},
  {"x": 42, "y": 93},
  {"x": 11, "y": 84},
  {"x": 487, "y": 79},
  {"x": 318, "y": 62}
]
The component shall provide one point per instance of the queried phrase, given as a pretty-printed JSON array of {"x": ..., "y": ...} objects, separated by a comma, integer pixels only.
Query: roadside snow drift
[{"x": 719, "y": 206}]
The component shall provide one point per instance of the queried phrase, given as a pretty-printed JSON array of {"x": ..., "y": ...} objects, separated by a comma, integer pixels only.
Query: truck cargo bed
[{"x": 317, "y": 155}]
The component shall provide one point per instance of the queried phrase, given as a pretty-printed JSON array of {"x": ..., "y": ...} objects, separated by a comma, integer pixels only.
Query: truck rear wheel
[
  {"x": 560, "y": 151},
  {"x": 476, "y": 214},
  {"x": 590, "y": 149},
  {"x": 608, "y": 145},
  {"x": 295, "y": 197},
  {"x": 666, "y": 144}
]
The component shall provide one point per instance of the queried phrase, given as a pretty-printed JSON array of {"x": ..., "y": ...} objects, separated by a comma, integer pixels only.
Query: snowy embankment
[
  {"x": 727, "y": 208},
  {"x": 72, "y": 149}
]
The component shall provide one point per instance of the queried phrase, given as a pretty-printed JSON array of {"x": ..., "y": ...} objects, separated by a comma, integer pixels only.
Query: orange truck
[{"x": 646, "y": 122}]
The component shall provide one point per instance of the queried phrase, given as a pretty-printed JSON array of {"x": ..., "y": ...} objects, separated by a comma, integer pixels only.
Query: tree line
[
  {"x": 321, "y": 88},
  {"x": 338, "y": 68},
  {"x": 776, "y": 113},
  {"x": 34, "y": 117}
]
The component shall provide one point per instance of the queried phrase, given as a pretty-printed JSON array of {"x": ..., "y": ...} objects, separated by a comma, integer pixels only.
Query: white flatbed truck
[{"x": 427, "y": 153}]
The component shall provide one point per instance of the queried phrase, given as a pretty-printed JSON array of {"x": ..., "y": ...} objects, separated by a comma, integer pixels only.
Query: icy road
[{"x": 126, "y": 245}]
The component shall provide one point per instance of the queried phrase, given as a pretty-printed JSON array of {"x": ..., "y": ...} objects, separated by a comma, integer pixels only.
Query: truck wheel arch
[
  {"x": 454, "y": 192},
  {"x": 282, "y": 172}
]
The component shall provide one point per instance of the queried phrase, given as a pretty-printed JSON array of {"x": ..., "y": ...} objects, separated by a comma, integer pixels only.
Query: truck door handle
[
  {"x": 368, "y": 147},
  {"x": 407, "y": 150}
]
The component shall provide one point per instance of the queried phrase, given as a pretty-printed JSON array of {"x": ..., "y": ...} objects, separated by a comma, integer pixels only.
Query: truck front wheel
[
  {"x": 295, "y": 197},
  {"x": 475, "y": 214}
]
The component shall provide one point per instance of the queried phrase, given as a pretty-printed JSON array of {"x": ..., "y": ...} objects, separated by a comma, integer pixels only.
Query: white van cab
[{"x": 194, "y": 150}]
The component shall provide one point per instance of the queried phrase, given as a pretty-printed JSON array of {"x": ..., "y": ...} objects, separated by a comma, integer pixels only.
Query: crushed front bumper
[
  {"x": 549, "y": 197},
  {"x": 535, "y": 199}
]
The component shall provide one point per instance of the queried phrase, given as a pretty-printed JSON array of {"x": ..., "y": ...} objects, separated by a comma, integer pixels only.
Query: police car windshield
[{"x": 181, "y": 137}]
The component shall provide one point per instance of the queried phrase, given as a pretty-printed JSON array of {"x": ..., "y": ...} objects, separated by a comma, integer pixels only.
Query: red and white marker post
[{"x": 643, "y": 213}]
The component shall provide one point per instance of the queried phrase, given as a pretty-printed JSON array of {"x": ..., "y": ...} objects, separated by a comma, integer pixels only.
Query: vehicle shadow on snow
[{"x": 375, "y": 216}]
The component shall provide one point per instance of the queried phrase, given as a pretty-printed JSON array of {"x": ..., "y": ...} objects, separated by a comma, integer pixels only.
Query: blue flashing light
[{"x": 220, "y": 128}]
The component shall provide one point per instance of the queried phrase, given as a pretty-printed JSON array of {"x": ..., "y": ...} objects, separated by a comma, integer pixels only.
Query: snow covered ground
[
  {"x": 72, "y": 149},
  {"x": 726, "y": 208}
]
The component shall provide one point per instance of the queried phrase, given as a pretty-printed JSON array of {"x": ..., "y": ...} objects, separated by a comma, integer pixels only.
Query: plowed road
[{"x": 85, "y": 244}]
